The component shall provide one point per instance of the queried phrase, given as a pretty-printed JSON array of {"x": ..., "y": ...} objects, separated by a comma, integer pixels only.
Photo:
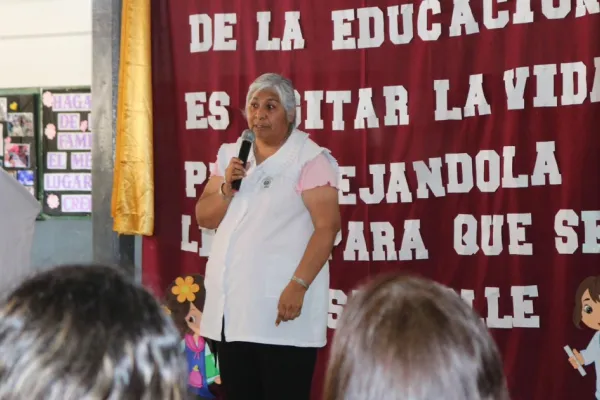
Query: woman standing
[{"x": 267, "y": 278}]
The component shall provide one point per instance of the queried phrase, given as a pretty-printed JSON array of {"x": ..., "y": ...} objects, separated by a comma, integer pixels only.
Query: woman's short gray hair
[
  {"x": 280, "y": 85},
  {"x": 88, "y": 332},
  {"x": 403, "y": 337}
]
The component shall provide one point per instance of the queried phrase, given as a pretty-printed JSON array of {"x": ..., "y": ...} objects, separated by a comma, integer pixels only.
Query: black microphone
[{"x": 247, "y": 140}]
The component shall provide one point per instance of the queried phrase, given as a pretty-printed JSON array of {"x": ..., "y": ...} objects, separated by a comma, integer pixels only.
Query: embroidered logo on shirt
[{"x": 267, "y": 183}]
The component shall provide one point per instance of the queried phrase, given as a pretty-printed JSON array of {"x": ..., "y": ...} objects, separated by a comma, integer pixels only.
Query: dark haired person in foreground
[
  {"x": 405, "y": 338},
  {"x": 87, "y": 332}
]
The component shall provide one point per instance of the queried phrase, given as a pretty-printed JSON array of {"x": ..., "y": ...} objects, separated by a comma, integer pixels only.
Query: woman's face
[
  {"x": 590, "y": 311},
  {"x": 193, "y": 319},
  {"x": 266, "y": 116}
]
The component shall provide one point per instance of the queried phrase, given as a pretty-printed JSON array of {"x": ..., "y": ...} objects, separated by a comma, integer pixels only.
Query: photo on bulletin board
[
  {"x": 26, "y": 177},
  {"x": 67, "y": 152},
  {"x": 17, "y": 155},
  {"x": 18, "y": 126}
]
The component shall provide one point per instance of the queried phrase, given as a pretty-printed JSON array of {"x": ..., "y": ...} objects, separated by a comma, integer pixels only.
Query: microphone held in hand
[{"x": 247, "y": 140}]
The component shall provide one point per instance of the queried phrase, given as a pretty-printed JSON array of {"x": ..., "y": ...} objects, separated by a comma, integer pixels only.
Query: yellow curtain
[{"x": 133, "y": 182}]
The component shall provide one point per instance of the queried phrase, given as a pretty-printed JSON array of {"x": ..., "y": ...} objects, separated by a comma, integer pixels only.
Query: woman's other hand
[{"x": 290, "y": 302}]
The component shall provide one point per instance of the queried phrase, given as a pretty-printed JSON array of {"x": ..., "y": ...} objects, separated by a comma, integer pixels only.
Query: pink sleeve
[{"x": 317, "y": 172}]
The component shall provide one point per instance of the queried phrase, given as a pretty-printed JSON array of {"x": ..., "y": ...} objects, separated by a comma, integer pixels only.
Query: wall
[
  {"x": 48, "y": 43},
  {"x": 45, "y": 43}
]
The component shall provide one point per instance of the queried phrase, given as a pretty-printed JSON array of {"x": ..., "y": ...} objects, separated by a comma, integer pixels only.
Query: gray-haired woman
[
  {"x": 408, "y": 338},
  {"x": 267, "y": 278}
]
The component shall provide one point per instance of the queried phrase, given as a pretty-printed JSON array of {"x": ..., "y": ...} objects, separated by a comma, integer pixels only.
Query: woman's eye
[
  {"x": 191, "y": 320},
  {"x": 587, "y": 309}
]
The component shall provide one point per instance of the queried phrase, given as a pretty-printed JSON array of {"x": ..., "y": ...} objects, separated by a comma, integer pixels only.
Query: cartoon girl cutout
[
  {"x": 184, "y": 300},
  {"x": 587, "y": 310}
]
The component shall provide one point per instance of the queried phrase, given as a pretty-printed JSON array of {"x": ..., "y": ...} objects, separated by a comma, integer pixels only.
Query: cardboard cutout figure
[
  {"x": 587, "y": 310},
  {"x": 184, "y": 301},
  {"x": 18, "y": 211}
]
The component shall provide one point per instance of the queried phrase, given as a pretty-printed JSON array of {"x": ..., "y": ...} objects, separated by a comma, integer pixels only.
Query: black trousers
[{"x": 253, "y": 371}]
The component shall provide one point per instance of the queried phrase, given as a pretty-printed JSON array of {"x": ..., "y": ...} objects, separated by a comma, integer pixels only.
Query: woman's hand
[
  {"x": 235, "y": 171},
  {"x": 290, "y": 302}
]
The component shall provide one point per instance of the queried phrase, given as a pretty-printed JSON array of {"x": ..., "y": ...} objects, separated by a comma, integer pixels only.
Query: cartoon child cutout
[
  {"x": 587, "y": 310},
  {"x": 184, "y": 300}
]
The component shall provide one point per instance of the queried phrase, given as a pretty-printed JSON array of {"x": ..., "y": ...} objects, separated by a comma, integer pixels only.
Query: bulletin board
[
  {"x": 19, "y": 118},
  {"x": 66, "y": 152}
]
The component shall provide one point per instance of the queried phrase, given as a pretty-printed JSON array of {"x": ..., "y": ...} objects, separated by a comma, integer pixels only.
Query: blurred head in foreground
[
  {"x": 405, "y": 338},
  {"x": 87, "y": 332}
]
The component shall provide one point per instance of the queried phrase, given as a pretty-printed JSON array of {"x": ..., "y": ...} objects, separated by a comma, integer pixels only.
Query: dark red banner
[{"x": 467, "y": 136}]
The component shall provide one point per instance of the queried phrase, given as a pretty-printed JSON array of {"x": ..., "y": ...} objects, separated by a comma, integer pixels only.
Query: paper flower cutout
[
  {"x": 50, "y": 131},
  {"x": 83, "y": 125},
  {"x": 47, "y": 99},
  {"x": 53, "y": 201},
  {"x": 13, "y": 106},
  {"x": 185, "y": 289}
]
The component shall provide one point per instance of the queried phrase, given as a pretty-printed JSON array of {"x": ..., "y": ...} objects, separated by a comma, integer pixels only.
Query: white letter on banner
[
  {"x": 383, "y": 241},
  {"x": 476, "y": 98},
  {"x": 224, "y": 32},
  {"x": 195, "y": 174},
  {"x": 365, "y": 110},
  {"x": 217, "y": 106},
  {"x": 522, "y": 307},
  {"x": 585, "y": 7},
  {"x": 566, "y": 241},
  {"x": 396, "y": 105},
  {"x": 516, "y": 234},
  {"x": 492, "y": 159},
  {"x": 195, "y": 111},
  {"x": 545, "y": 164},
  {"x": 187, "y": 244},
  {"x": 342, "y": 30},
  {"x": 462, "y": 15},
  {"x": 552, "y": 12},
  {"x": 545, "y": 96},
  {"x": 292, "y": 33},
  {"x": 398, "y": 184},
  {"x": 313, "y": 100},
  {"x": 344, "y": 195},
  {"x": 515, "y": 92},
  {"x": 592, "y": 232},
  {"x": 263, "y": 42},
  {"x": 196, "y": 21},
  {"x": 523, "y": 13},
  {"x": 407, "y": 35},
  {"x": 465, "y": 244},
  {"x": 441, "y": 87},
  {"x": 365, "y": 16},
  {"x": 569, "y": 71},
  {"x": 356, "y": 243},
  {"x": 489, "y": 20},
  {"x": 338, "y": 98},
  {"x": 425, "y": 33},
  {"x": 466, "y": 164},
  {"x": 412, "y": 241}
]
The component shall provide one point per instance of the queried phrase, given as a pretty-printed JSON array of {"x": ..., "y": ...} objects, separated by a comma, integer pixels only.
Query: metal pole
[{"x": 108, "y": 247}]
